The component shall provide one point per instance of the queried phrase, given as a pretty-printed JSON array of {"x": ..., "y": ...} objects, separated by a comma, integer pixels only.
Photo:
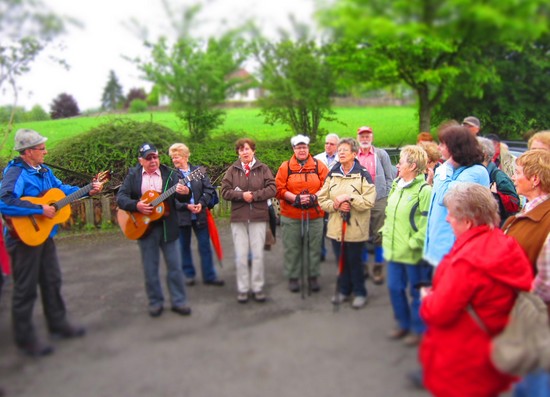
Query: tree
[
  {"x": 27, "y": 27},
  {"x": 64, "y": 106},
  {"x": 518, "y": 102},
  {"x": 195, "y": 75},
  {"x": 427, "y": 44},
  {"x": 112, "y": 97},
  {"x": 299, "y": 82}
]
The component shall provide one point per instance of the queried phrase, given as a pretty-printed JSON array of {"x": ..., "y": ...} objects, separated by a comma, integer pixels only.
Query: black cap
[
  {"x": 146, "y": 149},
  {"x": 493, "y": 137}
]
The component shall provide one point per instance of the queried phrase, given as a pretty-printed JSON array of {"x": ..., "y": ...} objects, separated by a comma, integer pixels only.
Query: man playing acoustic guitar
[
  {"x": 140, "y": 187},
  {"x": 25, "y": 178}
]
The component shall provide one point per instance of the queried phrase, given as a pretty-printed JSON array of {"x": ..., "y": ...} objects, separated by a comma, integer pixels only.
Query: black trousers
[{"x": 35, "y": 267}]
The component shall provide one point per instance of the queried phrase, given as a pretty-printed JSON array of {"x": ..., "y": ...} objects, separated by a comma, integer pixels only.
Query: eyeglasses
[
  {"x": 42, "y": 149},
  {"x": 152, "y": 157}
]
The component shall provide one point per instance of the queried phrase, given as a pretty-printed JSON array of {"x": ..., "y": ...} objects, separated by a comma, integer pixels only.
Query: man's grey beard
[{"x": 365, "y": 145}]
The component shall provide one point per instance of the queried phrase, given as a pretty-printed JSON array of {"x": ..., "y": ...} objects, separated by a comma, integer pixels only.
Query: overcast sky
[{"x": 99, "y": 46}]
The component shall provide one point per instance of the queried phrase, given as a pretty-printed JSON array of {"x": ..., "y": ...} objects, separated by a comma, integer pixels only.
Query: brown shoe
[
  {"x": 397, "y": 333},
  {"x": 378, "y": 274},
  {"x": 259, "y": 296},
  {"x": 314, "y": 284},
  {"x": 293, "y": 285},
  {"x": 242, "y": 297},
  {"x": 412, "y": 339}
]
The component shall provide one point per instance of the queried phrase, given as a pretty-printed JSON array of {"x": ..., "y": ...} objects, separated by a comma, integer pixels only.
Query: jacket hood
[{"x": 503, "y": 259}]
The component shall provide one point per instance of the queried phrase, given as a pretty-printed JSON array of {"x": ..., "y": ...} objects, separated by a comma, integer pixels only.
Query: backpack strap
[{"x": 415, "y": 208}]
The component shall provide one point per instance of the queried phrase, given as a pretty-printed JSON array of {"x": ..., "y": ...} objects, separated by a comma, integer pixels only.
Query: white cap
[{"x": 296, "y": 140}]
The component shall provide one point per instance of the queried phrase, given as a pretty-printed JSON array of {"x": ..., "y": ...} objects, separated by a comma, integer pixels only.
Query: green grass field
[{"x": 393, "y": 126}]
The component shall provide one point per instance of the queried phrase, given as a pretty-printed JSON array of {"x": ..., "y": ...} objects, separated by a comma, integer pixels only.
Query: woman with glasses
[{"x": 347, "y": 196}]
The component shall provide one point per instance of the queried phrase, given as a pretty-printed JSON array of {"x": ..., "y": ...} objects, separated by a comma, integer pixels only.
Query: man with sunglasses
[
  {"x": 161, "y": 234},
  {"x": 34, "y": 266}
]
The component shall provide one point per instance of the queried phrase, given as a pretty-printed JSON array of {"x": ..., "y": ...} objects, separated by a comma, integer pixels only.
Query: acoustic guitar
[
  {"x": 33, "y": 230},
  {"x": 135, "y": 224}
]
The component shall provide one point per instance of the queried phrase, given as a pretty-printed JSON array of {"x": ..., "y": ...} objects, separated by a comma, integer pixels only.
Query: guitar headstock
[
  {"x": 199, "y": 173},
  {"x": 103, "y": 177}
]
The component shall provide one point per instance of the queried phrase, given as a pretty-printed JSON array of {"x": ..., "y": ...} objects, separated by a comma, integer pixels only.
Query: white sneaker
[{"x": 359, "y": 302}]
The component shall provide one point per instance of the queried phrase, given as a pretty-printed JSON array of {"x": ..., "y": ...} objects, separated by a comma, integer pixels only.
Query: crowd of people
[{"x": 459, "y": 226}]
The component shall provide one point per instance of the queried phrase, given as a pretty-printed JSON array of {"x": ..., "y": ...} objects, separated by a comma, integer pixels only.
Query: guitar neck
[
  {"x": 73, "y": 197},
  {"x": 164, "y": 196},
  {"x": 193, "y": 175}
]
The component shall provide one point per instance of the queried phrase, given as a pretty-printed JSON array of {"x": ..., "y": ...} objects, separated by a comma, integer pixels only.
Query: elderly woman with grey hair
[
  {"x": 502, "y": 186},
  {"x": 481, "y": 274},
  {"x": 347, "y": 196}
]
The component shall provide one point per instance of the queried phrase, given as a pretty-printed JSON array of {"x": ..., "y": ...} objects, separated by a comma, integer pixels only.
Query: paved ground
[{"x": 285, "y": 347}]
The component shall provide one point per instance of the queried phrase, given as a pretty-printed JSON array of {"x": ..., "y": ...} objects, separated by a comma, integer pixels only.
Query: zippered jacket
[
  {"x": 358, "y": 185},
  {"x": 260, "y": 182},
  {"x": 401, "y": 242},
  {"x": 21, "y": 180}
]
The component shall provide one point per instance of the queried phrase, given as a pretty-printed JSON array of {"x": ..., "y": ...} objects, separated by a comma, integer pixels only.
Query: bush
[
  {"x": 138, "y": 106},
  {"x": 64, "y": 106},
  {"x": 110, "y": 146}
]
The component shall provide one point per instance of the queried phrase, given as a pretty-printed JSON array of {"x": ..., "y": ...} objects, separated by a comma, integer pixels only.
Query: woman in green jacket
[{"x": 403, "y": 234}]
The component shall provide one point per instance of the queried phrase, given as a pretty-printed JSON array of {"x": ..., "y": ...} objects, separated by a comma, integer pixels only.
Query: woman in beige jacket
[{"x": 347, "y": 196}]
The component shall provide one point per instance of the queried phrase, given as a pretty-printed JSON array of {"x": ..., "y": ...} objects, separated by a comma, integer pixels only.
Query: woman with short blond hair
[{"x": 403, "y": 239}]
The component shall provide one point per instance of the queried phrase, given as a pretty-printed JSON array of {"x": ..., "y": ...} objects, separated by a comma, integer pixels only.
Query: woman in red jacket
[{"x": 483, "y": 271}]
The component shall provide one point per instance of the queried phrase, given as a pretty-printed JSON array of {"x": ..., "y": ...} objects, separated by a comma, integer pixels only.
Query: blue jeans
[
  {"x": 401, "y": 276},
  {"x": 536, "y": 384},
  {"x": 150, "y": 247},
  {"x": 205, "y": 251},
  {"x": 352, "y": 278}
]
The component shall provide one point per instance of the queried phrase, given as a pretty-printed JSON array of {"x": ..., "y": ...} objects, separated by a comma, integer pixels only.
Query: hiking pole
[
  {"x": 302, "y": 270},
  {"x": 308, "y": 261},
  {"x": 342, "y": 259}
]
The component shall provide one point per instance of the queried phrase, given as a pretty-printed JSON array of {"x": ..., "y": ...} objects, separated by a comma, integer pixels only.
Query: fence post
[
  {"x": 89, "y": 210},
  {"x": 106, "y": 210}
]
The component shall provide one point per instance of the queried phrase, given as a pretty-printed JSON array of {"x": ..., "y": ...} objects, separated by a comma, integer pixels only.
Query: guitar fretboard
[
  {"x": 73, "y": 197},
  {"x": 197, "y": 174}
]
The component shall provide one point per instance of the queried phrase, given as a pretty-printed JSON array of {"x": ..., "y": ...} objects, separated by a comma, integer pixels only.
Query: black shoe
[
  {"x": 293, "y": 285},
  {"x": 190, "y": 282},
  {"x": 323, "y": 257},
  {"x": 36, "y": 349},
  {"x": 156, "y": 311},
  {"x": 216, "y": 282},
  {"x": 259, "y": 296},
  {"x": 314, "y": 284},
  {"x": 182, "y": 310},
  {"x": 416, "y": 379},
  {"x": 69, "y": 332}
]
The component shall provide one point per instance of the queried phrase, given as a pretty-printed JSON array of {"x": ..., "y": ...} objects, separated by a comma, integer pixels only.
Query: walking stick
[
  {"x": 302, "y": 270},
  {"x": 342, "y": 260},
  {"x": 308, "y": 263}
]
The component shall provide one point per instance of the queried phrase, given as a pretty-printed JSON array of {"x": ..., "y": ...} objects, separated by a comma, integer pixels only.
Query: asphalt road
[{"x": 288, "y": 346}]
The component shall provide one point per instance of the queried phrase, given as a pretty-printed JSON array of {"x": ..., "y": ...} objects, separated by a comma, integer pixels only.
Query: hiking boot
[
  {"x": 378, "y": 274},
  {"x": 314, "y": 284},
  {"x": 359, "y": 302},
  {"x": 68, "y": 332},
  {"x": 412, "y": 340},
  {"x": 293, "y": 285},
  {"x": 36, "y": 349},
  {"x": 242, "y": 297},
  {"x": 259, "y": 296},
  {"x": 397, "y": 333}
]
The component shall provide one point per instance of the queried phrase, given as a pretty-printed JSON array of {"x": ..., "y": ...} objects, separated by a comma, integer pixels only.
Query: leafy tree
[
  {"x": 299, "y": 82},
  {"x": 112, "y": 97},
  {"x": 137, "y": 106},
  {"x": 195, "y": 75},
  {"x": 37, "y": 113},
  {"x": 518, "y": 102},
  {"x": 427, "y": 44},
  {"x": 27, "y": 27},
  {"x": 135, "y": 93},
  {"x": 64, "y": 106}
]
